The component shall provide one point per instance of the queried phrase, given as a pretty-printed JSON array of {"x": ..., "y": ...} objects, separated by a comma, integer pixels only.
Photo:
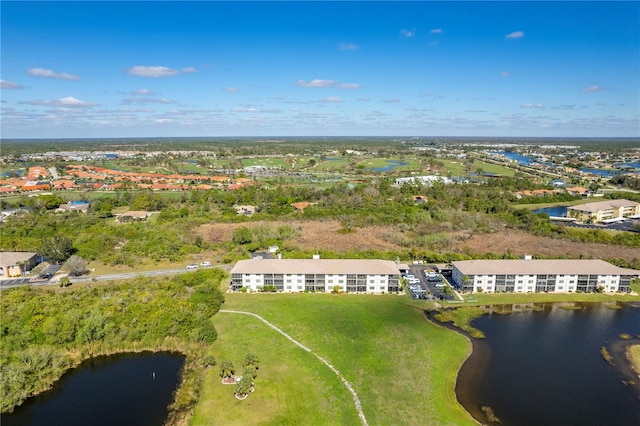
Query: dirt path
[{"x": 356, "y": 400}]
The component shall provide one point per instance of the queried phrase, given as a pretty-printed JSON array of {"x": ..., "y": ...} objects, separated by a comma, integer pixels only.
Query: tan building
[
  {"x": 16, "y": 263},
  {"x": 604, "y": 211}
]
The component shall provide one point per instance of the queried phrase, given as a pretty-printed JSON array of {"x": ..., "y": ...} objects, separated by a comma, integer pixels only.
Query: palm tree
[
  {"x": 251, "y": 360},
  {"x": 244, "y": 386},
  {"x": 226, "y": 369},
  {"x": 250, "y": 371}
]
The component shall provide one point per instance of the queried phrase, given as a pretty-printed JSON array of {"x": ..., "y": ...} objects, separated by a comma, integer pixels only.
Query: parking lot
[{"x": 428, "y": 286}]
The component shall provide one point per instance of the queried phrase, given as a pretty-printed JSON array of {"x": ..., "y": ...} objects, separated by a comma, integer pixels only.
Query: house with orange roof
[
  {"x": 203, "y": 187},
  {"x": 63, "y": 184},
  {"x": 301, "y": 205},
  {"x": 578, "y": 190},
  {"x": 37, "y": 172}
]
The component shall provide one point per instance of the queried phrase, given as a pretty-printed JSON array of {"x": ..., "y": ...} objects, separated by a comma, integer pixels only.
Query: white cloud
[
  {"x": 67, "y": 102},
  {"x": 141, "y": 92},
  {"x": 332, "y": 99},
  {"x": 327, "y": 83},
  {"x": 514, "y": 35},
  {"x": 408, "y": 33},
  {"x": 602, "y": 103},
  {"x": 392, "y": 100},
  {"x": 157, "y": 71},
  {"x": 505, "y": 74},
  {"x": 41, "y": 72},
  {"x": 348, "y": 46},
  {"x": 593, "y": 88},
  {"x": 531, "y": 105},
  {"x": 140, "y": 101},
  {"x": 436, "y": 31},
  {"x": 231, "y": 89},
  {"x": 4, "y": 84},
  {"x": 162, "y": 120}
]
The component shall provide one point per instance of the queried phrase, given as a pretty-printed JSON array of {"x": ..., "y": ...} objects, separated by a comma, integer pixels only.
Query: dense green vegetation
[
  {"x": 170, "y": 235},
  {"x": 43, "y": 333}
]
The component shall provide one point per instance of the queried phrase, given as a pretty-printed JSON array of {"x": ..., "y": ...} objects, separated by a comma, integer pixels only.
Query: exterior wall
[
  {"x": 297, "y": 283},
  {"x": 11, "y": 271},
  {"x": 600, "y": 215},
  {"x": 541, "y": 283}
]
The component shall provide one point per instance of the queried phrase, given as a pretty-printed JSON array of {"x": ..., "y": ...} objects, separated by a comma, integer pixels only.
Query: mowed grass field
[{"x": 402, "y": 367}]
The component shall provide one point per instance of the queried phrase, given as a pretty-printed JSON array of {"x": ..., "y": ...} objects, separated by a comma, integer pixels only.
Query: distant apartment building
[
  {"x": 423, "y": 180},
  {"x": 316, "y": 275},
  {"x": 604, "y": 211},
  {"x": 541, "y": 275}
]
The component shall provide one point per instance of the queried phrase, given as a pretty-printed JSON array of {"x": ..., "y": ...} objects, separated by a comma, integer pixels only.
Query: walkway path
[{"x": 356, "y": 400}]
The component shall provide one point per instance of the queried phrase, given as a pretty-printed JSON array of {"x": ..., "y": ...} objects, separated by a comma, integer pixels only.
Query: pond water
[
  {"x": 522, "y": 159},
  {"x": 391, "y": 164},
  {"x": 545, "y": 367},
  {"x": 125, "y": 389},
  {"x": 601, "y": 172},
  {"x": 558, "y": 211}
]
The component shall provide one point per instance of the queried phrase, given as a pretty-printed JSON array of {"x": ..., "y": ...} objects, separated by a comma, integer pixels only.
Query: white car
[
  {"x": 192, "y": 266},
  {"x": 205, "y": 264}
]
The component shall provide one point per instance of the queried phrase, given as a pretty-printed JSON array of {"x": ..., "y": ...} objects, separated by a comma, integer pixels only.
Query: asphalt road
[{"x": 111, "y": 277}]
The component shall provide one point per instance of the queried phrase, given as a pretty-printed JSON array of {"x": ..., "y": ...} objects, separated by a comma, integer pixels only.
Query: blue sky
[{"x": 127, "y": 69}]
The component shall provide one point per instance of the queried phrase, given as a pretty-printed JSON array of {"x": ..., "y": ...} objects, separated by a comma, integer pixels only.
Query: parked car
[
  {"x": 46, "y": 275},
  {"x": 205, "y": 264},
  {"x": 192, "y": 266}
]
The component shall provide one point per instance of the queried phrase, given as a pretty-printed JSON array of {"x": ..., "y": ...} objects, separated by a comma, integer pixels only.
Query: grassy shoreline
[{"x": 633, "y": 355}]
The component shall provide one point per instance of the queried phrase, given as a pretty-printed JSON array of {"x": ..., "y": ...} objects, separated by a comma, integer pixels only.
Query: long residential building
[
  {"x": 604, "y": 211},
  {"x": 316, "y": 275},
  {"x": 541, "y": 275}
]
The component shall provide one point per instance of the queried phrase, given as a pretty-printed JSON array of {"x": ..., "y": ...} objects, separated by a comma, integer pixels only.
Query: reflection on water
[
  {"x": 127, "y": 389},
  {"x": 543, "y": 367}
]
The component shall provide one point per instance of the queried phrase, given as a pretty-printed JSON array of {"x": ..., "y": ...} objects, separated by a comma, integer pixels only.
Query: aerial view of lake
[
  {"x": 545, "y": 367},
  {"x": 125, "y": 389},
  {"x": 558, "y": 211},
  {"x": 522, "y": 159},
  {"x": 391, "y": 164},
  {"x": 601, "y": 172}
]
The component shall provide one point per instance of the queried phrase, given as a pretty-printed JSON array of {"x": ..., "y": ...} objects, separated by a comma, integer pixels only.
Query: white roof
[
  {"x": 540, "y": 266},
  {"x": 603, "y": 205},
  {"x": 316, "y": 266}
]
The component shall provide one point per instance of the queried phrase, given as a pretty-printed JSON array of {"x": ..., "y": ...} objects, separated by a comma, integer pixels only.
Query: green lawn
[
  {"x": 493, "y": 168},
  {"x": 634, "y": 357},
  {"x": 402, "y": 367},
  {"x": 456, "y": 168},
  {"x": 267, "y": 161},
  {"x": 505, "y": 298}
]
